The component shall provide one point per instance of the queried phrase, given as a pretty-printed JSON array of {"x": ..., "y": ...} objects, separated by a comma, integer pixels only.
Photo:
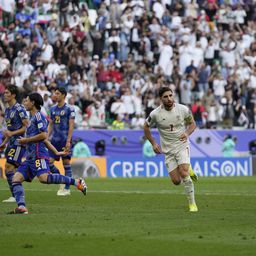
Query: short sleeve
[
  {"x": 41, "y": 123},
  {"x": 72, "y": 114},
  {"x": 22, "y": 113},
  {"x": 188, "y": 116},
  {"x": 151, "y": 120}
]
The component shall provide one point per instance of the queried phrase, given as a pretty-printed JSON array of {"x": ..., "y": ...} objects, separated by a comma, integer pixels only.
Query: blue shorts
[
  {"x": 60, "y": 147},
  {"x": 14, "y": 154},
  {"x": 31, "y": 168}
]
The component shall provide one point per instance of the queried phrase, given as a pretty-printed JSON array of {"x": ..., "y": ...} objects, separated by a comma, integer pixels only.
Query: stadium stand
[{"x": 113, "y": 56}]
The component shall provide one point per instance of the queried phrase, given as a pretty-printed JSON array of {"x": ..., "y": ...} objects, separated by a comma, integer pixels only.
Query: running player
[
  {"x": 16, "y": 120},
  {"x": 37, "y": 156},
  {"x": 175, "y": 123}
]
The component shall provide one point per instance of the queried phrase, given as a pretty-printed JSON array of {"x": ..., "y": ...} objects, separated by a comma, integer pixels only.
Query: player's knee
[
  {"x": 17, "y": 178},
  {"x": 176, "y": 182},
  {"x": 43, "y": 178},
  {"x": 184, "y": 174},
  {"x": 66, "y": 161}
]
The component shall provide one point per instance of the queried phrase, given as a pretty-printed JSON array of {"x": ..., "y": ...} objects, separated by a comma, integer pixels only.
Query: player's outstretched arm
[
  {"x": 39, "y": 137},
  {"x": 49, "y": 145}
]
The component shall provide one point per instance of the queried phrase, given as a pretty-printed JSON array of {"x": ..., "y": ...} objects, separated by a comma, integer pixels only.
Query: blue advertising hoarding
[
  {"x": 128, "y": 167},
  {"x": 220, "y": 166}
]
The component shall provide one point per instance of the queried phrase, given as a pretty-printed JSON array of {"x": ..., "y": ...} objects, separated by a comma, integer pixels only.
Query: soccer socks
[
  {"x": 19, "y": 194},
  {"x": 9, "y": 176},
  {"x": 60, "y": 179},
  {"x": 189, "y": 189},
  {"x": 68, "y": 173},
  {"x": 53, "y": 168}
]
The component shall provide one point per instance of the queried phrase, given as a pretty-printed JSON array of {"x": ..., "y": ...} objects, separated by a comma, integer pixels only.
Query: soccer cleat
[
  {"x": 192, "y": 174},
  {"x": 193, "y": 208},
  {"x": 18, "y": 210},
  {"x": 9, "y": 200},
  {"x": 82, "y": 186},
  {"x": 60, "y": 191},
  {"x": 64, "y": 192}
]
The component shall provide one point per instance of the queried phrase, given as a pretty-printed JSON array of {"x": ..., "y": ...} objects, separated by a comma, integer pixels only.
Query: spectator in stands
[
  {"x": 198, "y": 111},
  {"x": 118, "y": 124},
  {"x": 137, "y": 122},
  {"x": 81, "y": 149},
  {"x": 85, "y": 46},
  {"x": 147, "y": 149},
  {"x": 228, "y": 146}
]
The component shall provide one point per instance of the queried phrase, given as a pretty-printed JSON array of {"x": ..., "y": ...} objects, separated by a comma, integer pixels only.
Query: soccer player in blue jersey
[
  {"x": 16, "y": 120},
  {"x": 37, "y": 156},
  {"x": 62, "y": 121}
]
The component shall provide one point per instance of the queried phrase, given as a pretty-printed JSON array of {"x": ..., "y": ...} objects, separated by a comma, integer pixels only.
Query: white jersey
[{"x": 170, "y": 124}]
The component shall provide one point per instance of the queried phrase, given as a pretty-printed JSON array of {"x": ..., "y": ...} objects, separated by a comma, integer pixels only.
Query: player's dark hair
[
  {"x": 37, "y": 98},
  {"x": 13, "y": 89},
  {"x": 162, "y": 90},
  {"x": 62, "y": 90}
]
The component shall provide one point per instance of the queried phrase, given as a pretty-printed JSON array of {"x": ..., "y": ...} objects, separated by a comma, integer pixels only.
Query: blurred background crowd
[{"x": 112, "y": 56}]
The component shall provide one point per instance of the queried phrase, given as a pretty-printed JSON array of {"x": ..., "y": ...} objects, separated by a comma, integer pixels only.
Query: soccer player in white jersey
[{"x": 175, "y": 123}]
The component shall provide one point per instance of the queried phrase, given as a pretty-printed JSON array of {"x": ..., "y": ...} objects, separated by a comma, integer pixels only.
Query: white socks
[{"x": 189, "y": 189}]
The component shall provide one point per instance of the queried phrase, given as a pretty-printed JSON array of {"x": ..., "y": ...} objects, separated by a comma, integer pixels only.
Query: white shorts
[{"x": 172, "y": 161}]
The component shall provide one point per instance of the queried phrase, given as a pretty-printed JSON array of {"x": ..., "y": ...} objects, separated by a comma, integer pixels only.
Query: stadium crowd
[{"x": 112, "y": 56}]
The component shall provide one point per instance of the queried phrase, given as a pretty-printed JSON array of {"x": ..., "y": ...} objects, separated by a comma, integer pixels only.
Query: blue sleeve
[
  {"x": 41, "y": 123},
  {"x": 22, "y": 113},
  {"x": 72, "y": 113}
]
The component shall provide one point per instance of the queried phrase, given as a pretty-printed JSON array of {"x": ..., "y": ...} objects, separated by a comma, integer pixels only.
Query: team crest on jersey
[
  {"x": 12, "y": 114},
  {"x": 40, "y": 125},
  {"x": 62, "y": 113}
]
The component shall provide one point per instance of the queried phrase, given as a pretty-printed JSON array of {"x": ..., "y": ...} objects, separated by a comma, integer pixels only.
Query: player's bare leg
[{"x": 175, "y": 177}]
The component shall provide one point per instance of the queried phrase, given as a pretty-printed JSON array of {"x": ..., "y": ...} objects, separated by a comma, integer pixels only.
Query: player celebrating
[
  {"x": 60, "y": 130},
  {"x": 36, "y": 163},
  {"x": 175, "y": 123},
  {"x": 16, "y": 120}
]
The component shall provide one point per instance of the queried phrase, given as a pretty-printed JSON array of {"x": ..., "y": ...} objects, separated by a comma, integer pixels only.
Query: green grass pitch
[{"x": 138, "y": 216}]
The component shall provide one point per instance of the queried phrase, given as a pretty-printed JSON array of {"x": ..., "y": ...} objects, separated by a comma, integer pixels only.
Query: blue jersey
[
  {"x": 36, "y": 150},
  {"x": 60, "y": 118},
  {"x": 13, "y": 118}
]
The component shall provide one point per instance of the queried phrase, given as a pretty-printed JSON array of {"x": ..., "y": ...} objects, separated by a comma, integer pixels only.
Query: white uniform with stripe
[{"x": 171, "y": 124}]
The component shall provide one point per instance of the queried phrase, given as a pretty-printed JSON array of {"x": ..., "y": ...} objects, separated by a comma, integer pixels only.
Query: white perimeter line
[{"x": 202, "y": 192}]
